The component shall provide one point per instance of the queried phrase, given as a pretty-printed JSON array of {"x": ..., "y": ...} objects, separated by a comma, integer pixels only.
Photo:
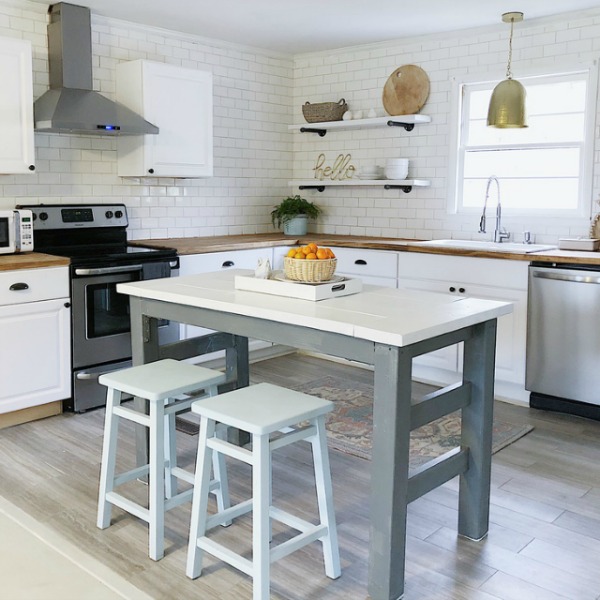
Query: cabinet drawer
[
  {"x": 33, "y": 285},
  {"x": 355, "y": 261},
  {"x": 219, "y": 261},
  {"x": 462, "y": 269}
]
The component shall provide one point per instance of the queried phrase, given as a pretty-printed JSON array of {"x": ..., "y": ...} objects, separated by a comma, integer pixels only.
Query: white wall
[
  {"x": 252, "y": 100},
  {"x": 358, "y": 74},
  {"x": 257, "y": 95}
]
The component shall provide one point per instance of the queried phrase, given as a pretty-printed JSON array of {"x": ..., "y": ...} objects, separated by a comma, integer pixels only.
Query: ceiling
[{"x": 294, "y": 27}]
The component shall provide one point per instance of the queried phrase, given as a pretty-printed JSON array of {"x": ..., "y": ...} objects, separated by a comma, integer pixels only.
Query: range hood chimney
[{"x": 70, "y": 105}]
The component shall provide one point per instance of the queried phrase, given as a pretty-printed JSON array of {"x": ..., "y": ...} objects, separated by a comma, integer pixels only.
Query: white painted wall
[{"x": 257, "y": 95}]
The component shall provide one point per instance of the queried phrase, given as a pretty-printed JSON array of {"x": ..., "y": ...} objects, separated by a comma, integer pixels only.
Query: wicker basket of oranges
[{"x": 310, "y": 264}]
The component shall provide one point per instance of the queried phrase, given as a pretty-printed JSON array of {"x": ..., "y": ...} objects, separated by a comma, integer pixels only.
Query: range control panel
[{"x": 77, "y": 216}]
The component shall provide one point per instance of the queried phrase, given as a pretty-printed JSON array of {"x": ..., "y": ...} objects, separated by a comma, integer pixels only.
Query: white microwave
[{"x": 16, "y": 231}]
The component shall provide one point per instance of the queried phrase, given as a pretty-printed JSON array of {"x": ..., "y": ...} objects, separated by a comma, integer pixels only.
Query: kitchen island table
[{"x": 382, "y": 327}]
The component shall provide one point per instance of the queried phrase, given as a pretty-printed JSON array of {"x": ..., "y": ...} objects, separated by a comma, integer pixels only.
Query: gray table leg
[
  {"x": 389, "y": 472},
  {"x": 144, "y": 349},
  {"x": 477, "y": 418},
  {"x": 237, "y": 362}
]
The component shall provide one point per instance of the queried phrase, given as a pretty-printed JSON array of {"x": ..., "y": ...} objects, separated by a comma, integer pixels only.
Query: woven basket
[
  {"x": 324, "y": 111},
  {"x": 312, "y": 271}
]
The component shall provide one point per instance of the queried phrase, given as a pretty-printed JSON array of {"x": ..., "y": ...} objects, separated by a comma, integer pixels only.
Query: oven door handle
[
  {"x": 108, "y": 270},
  {"x": 85, "y": 376}
]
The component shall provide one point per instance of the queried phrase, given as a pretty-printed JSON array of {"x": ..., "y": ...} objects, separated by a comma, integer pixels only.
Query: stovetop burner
[{"x": 89, "y": 234}]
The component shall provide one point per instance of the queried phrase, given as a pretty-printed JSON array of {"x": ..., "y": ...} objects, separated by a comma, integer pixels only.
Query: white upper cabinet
[
  {"x": 179, "y": 102},
  {"x": 16, "y": 107}
]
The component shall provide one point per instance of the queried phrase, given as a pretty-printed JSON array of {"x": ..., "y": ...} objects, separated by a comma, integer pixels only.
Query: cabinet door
[
  {"x": 179, "y": 102},
  {"x": 512, "y": 332},
  {"x": 35, "y": 366},
  {"x": 445, "y": 359},
  {"x": 193, "y": 264},
  {"x": 16, "y": 107}
]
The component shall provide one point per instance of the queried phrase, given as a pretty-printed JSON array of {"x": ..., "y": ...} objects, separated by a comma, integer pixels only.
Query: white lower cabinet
[
  {"x": 491, "y": 279},
  {"x": 194, "y": 264},
  {"x": 374, "y": 267},
  {"x": 35, "y": 353}
]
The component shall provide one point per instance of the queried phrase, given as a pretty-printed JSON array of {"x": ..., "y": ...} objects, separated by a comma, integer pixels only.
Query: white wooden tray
[{"x": 305, "y": 291}]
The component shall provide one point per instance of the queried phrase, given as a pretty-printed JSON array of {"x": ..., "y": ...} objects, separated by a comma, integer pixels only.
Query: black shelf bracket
[
  {"x": 405, "y": 188},
  {"x": 407, "y": 126},
  {"x": 319, "y": 188},
  {"x": 321, "y": 132}
]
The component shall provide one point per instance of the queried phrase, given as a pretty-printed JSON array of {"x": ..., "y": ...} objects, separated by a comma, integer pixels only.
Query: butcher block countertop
[
  {"x": 31, "y": 260},
  {"x": 202, "y": 245}
]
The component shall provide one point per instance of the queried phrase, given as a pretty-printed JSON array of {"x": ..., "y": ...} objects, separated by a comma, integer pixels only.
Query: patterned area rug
[{"x": 350, "y": 424}]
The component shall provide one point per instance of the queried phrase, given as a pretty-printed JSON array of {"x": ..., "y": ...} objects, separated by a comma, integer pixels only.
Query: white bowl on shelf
[{"x": 396, "y": 172}]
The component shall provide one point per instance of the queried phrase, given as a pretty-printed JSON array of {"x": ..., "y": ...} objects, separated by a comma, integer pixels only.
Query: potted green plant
[{"x": 293, "y": 213}]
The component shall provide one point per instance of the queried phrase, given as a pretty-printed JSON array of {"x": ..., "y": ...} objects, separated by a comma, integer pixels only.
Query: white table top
[{"x": 379, "y": 314}]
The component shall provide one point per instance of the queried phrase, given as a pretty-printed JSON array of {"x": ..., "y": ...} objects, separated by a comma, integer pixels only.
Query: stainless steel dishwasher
[{"x": 563, "y": 338}]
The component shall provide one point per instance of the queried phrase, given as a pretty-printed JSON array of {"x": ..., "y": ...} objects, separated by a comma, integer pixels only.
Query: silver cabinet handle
[
  {"x": 84, "y": 376},
  {"x": 108, "y": 270},
  {"x": 562, "y": 277}
]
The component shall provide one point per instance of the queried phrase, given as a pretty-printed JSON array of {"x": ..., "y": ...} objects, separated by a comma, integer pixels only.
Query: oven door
[{"x": 101, "y": 327}]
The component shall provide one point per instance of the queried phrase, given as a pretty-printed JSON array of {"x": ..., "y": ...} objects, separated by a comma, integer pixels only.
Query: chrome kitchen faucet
[{"x": 500, "y": 234}]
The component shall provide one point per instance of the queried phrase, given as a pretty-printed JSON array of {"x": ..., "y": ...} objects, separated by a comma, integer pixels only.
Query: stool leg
[
  {"x": 109, "y": 457},
  {"x": 170, "y": 455},
  {"x": 261, "y": 522},
  {"x": 220, "y": 474},
  {"x": 331, "y": 552},
  {"x": 156, "y": 498},
  {"x": 200, "y": 499}
]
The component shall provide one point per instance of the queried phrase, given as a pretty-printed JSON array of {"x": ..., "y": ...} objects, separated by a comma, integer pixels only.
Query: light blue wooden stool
[
  {"x": 170, "y": 387},
  {"x": 262, "y": 410}
]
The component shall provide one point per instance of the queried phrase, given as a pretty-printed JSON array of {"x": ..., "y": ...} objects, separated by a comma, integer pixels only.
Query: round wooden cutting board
[{"x": 405, "y": 91}]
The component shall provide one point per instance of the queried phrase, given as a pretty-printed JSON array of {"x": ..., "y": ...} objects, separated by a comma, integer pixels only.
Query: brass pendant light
[{"x": 507, "y": 104}]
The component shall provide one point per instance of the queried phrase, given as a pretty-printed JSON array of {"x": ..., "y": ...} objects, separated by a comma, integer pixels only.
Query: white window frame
[{"x": 584, "y": 204}]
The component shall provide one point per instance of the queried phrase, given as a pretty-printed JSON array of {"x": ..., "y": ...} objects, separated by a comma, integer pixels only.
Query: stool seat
[
  {"x": 262, "y": 410},
  {"x": 162, "y": 379},
  {"x": 169, "y": 388}
]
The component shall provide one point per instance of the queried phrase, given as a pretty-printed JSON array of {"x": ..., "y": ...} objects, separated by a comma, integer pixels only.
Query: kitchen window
[{"x": 545, "y": 168}]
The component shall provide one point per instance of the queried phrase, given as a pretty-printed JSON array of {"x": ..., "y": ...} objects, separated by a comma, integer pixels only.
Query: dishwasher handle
[{"x": 568, "y": 278}]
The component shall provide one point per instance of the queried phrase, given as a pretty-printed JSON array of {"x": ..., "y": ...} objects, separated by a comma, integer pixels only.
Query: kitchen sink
[{"x": 487, "y": 246}]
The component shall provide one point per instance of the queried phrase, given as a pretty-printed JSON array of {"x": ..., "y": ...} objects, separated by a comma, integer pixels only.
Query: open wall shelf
[
  {"x": 406, "y": 122},
  {"x": 406, "y": 185}
]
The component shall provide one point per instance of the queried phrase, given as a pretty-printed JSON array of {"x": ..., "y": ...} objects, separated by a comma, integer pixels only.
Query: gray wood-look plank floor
[{"x": 543, "y": 543}]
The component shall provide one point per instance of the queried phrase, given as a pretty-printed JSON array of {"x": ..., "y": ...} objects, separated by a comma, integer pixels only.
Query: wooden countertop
[
  {"x": 31, "y": 260},
  {"x": 202, "y": 245}
]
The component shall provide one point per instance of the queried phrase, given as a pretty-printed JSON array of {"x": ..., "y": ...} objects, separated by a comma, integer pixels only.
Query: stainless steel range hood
[{"x": 70, "y": 105}]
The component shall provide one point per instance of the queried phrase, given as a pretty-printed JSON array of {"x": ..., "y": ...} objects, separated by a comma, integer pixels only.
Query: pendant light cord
[{"x": 508, "y": 73}]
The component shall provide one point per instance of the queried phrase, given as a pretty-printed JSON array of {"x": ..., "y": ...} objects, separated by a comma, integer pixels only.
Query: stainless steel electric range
[{"x": 94, "y": 238}]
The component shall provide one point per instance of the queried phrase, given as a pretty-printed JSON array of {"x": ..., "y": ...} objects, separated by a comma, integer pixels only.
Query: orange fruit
[
  {"x": 322, "y": 253},
  {"x": 311, "y": 256},
  {"x": 300, "y": 255},
  {"x": 331, "y": 254},
  {"x": 292, "y": 252},
  {"x": 305, "y": 250},
  {"x": 313, "y": 247}
]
